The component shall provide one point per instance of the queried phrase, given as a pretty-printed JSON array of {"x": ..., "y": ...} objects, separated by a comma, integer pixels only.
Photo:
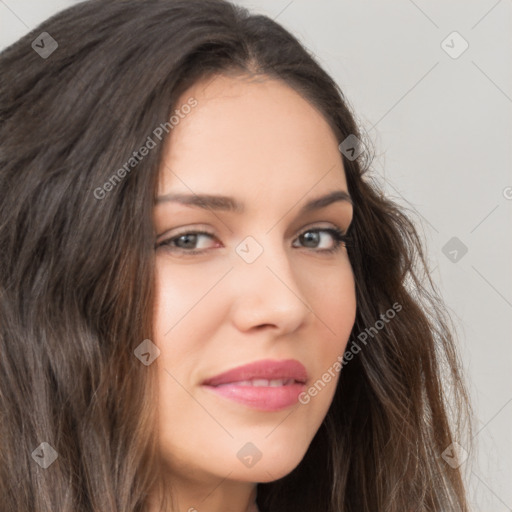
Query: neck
[{"x": 212, "y": 496}]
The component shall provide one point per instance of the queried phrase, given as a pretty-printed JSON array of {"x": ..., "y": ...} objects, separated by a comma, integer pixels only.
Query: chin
[
  {"x": 267, "y": 474},
  {"x": 269, "y": 469}
]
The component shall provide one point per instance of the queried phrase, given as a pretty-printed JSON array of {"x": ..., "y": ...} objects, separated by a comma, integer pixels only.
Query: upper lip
[{"x": 264, "y": 369}]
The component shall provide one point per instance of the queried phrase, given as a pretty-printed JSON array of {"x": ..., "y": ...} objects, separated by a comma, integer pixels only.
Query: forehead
[{"x": 246, "y": 135}]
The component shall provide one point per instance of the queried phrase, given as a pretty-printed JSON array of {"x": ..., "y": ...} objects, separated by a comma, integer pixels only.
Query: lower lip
[{"x": 263, "y": 398}]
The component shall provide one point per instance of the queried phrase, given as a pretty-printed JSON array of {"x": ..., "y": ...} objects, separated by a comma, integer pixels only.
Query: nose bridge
[{"x": 268, "y": 290}]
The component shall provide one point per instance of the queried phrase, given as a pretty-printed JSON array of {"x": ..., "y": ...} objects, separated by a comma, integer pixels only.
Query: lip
[
  {"x": 264, "y": 369},
  {"x": 266, "y": 397}
]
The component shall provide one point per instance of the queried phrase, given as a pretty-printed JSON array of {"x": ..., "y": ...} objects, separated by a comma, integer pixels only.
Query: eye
[
  {"x": 187, "y": 243},
  {"x": 313, "y": 237}
]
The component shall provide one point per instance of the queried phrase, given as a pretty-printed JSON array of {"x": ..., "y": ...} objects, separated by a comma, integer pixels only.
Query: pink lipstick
[{"x": 266, "y": 385}]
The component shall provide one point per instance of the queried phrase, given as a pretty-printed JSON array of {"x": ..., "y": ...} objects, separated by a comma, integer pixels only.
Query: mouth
[
  {"x": 265, "y": 385},
  {"x": 258, "y": 383}
]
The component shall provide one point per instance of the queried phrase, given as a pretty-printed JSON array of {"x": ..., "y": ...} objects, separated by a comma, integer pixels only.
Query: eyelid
[
  {"x": 184, "y": 231},
  {"x": 205, "y": 230},
  {"x": 320, "y": 225}
]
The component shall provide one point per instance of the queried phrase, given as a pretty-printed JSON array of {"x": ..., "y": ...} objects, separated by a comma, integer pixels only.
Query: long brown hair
[{"x": 76, "y": 275}]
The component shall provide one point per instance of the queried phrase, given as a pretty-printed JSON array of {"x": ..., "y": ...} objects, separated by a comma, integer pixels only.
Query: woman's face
[{"x": 269, "y": 284}]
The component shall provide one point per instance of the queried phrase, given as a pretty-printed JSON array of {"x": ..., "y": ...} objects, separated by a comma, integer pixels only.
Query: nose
[{"x": 267, "y": 293}]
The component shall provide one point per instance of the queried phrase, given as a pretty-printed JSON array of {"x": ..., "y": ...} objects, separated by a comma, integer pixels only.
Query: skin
[{"x": 259, "y": 141}]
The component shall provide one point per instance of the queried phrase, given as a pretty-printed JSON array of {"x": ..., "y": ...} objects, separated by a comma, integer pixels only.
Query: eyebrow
[{"x": 230, "y": 204}]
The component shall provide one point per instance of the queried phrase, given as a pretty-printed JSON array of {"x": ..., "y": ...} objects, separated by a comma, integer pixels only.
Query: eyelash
[{"x": 340, "y": 239}]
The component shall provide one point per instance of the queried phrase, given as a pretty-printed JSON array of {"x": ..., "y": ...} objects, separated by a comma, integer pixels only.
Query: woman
[{"x": 206, "y": 305}]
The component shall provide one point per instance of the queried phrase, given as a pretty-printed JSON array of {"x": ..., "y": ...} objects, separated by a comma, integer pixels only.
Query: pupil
[
  {"x": 190, "y": 239},
  {"x": 311, "y": 236}
]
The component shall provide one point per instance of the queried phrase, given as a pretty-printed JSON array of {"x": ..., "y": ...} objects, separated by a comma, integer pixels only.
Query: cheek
[
  {"x": 333, "y": 302},
  {"x": 179, "y": 296},
  {"x": 187, "y": 312},
  {"x": 176, "y": 298},
  {"x": 332, "y": 297}
]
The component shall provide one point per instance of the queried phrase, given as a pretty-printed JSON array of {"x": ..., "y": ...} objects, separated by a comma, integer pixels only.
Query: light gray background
[{"x": 442, "y": 129}]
